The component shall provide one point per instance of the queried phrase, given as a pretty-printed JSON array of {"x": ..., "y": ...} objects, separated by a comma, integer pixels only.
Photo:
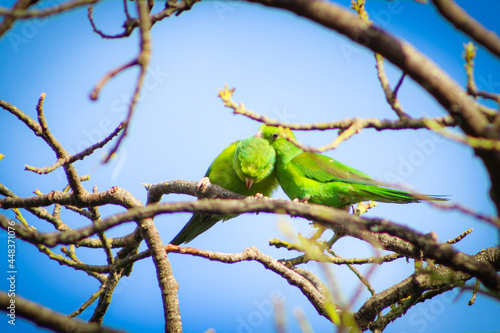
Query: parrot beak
[
  {"x": 258, "y": 135},
  {"x": 248, "y": 182}
]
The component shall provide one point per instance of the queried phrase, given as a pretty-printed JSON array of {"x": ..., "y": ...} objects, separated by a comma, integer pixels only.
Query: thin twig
[
  {"x": 378, "y": 124},
  {"x": 79, "y": 156},
  {"x": 364, "y": 280},
  {"x": 316, "y": 298},
  {"x": 469, "y": 54},
  {"x": 9, "y": 20},
  {"x": 390, "y": 96},
  {"x": 94, "y": 94},
  {"x": 474, "y": 142},
  {"x": 460, "y": 237},
  {"x": 76, "y": 264},
  {"x": 44, "y": 12},
  {"x": 125, "y": 33},
  {"x": 477, "y": 285},
  {"x": 102, "y": 235},
  {"x": 87, "y": 303},
  {"x": 105, "y": 297},
  {"x": 47, "y": 318},
  {"x": 61, "y": 153}
]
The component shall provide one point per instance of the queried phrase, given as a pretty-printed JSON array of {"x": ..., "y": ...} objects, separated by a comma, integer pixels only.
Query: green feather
[
  {"x": 320, "y": 179},
  {"x": 254, "y": 159},
  {"x": 245, "y": 167}
]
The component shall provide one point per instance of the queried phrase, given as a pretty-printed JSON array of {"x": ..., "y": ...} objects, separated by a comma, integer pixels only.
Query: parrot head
[
  {"x": 276, "y": 136},
  {"x": 253, "y": 160}
]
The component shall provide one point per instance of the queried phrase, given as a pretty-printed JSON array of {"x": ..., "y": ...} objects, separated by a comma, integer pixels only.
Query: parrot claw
[
  {"x": 202, "y": 185},
  {"x": 259, "y": 195},
  {"x": 305, "y": 200}
]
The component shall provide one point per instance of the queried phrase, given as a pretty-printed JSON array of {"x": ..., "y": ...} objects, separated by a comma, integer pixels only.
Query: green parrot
[
  {"x": 313, "y": 177},
  {"x": 245, "y": 167}
]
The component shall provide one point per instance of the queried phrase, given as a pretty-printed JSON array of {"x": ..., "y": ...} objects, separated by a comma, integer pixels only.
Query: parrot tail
[
  {"x": 198, "y": 224},
  {"x": 382, "y": 194}
]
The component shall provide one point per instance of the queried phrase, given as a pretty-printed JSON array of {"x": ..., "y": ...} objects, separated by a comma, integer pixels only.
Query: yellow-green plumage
[
  {"x": 245, "y": 167},
  {"x": 323, "y": 180}
]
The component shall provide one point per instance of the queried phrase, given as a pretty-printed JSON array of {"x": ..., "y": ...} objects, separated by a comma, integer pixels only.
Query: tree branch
[
  {"x": 314, "y": 295},
  {"x": 21, "y": 12},
  {"x": 352, "y": 225},
  {"x": 80, "y": 156},
  {"x": 378, "y": 124},
  {"x": 466, "y": 23},
  {"x": 47, "y": 318},
  {"x": 437, "y": 278},
  {"x": 9, "y": 20}
]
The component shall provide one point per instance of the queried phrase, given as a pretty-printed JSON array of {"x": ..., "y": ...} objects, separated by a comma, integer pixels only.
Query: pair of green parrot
[{"x": 255, "y": 166}]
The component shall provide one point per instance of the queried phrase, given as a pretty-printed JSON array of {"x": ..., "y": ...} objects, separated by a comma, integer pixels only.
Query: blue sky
[{"x": 282, "y": 66}]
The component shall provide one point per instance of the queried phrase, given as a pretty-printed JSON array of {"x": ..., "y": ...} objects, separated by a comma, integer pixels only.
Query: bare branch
[
  {"x": 80, "y": 156},
  {"x": 33, "y": 125},
  {"x": 333, "y": 218},
  {"x": 125, "y": 33},
  {"x": 45, "y": 317},
  {"x": 39, "y": 212},
  {"x": 22, "y": 13},
  {"x": 469, "y": 54},
  {"x": 142, "y": 61},
  {"x": 460, "y": 237},
  {"x": 171, "y": 7},
  {"x": 118, "y": 242},
  {"x": 61, "y": 153},
  {"x": 87, "y": 303},
  {"x": 436, "y": 279},
  {"x": 474, "y": 142},
  {"x": 108, "y": 287},
  {"x": 464, "y": 22},
  {"x": 316, "y": 297},
  {"x": 75, "y": 264},
  {"x": 390, "y": 96},
  {"x": 378, "y": 124},
  {"x": 9, "y": 20},
  {"x": 94, "y": 94}
]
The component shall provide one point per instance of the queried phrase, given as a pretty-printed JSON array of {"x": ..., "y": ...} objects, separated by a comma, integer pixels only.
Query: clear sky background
[{"x": 282, "y": 66}]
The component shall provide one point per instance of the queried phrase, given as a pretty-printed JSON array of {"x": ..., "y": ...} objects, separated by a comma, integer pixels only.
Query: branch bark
[
  {"x": 466, "y": 23},
  {"x": 48, "y": 318},
  {"x": 362, "y": 228},
  {"x": 437, "y": 278}
]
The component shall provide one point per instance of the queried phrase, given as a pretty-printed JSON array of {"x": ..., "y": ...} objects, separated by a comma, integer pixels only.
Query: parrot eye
[{"x": 275, "y": 136}]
